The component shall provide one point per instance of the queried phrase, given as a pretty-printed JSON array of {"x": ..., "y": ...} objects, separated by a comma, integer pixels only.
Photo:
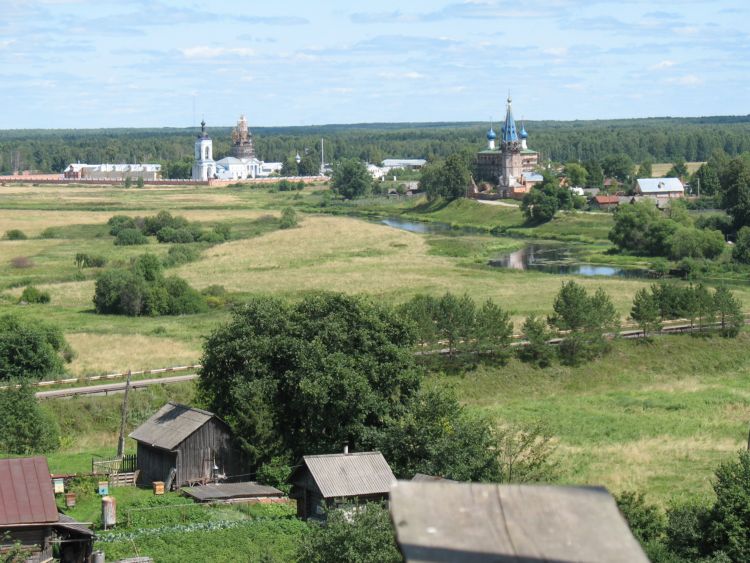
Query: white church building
[{"x": 241, "y": 166}]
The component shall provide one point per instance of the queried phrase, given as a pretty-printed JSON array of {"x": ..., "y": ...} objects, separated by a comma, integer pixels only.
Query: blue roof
[
  {"x": 491, "y": 135},
  {"x": 509, "y": 129}
]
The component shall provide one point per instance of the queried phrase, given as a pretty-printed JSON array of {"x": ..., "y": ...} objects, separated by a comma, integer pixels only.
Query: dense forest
[{"x": 659, "y": 139}]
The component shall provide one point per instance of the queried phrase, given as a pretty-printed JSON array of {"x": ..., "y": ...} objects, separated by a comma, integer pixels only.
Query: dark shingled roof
[
  {"x": 473, "y": 523},
  {"x": 350, "y": 475},
  {"x": 170, "y": 426},
  {"x": 26, "y": 493}
]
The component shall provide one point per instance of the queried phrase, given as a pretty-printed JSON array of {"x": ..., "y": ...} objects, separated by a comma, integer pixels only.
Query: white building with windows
[{"x": 204, "y": 167}]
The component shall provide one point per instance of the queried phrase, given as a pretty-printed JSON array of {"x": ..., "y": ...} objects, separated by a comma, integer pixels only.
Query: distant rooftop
[{"x": 660, "y": 185}]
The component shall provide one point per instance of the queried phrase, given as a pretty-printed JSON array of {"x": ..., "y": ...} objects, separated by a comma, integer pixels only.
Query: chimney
[{"x": 346, "y": 449}]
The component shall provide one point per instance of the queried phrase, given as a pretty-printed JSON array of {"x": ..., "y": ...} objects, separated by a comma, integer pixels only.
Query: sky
[{"x": 169, "y": 63}]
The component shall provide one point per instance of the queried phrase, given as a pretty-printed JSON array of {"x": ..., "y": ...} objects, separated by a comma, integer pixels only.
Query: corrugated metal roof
[
  {"x": 26, "y": 493},
  {"x": 349, "y": 475},
  {"x": 171, "y": 424},
  {"x": 472, "y": 522},
  {"x": 659, "y": 185}
]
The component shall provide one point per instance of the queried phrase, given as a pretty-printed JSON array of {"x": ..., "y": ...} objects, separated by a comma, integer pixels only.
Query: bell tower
[
  {"x": 204, "y": 166},
  {"x": 511, "y": 147}
]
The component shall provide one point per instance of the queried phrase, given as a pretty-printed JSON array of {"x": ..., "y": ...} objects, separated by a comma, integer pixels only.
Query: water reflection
[{"x": 558, "y": 259}]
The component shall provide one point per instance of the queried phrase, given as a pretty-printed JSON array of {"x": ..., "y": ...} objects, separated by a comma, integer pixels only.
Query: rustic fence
[{"x": 125, "y": 464}]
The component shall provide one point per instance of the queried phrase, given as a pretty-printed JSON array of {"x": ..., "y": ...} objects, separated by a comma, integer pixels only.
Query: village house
[
  {"x": 660, "y": 187},
  {"x": 605, "y": 202},
  {"x": 322, "y": 482},
  {"x": 29, "y": 517},
  {"x": 180, "y": 445}
]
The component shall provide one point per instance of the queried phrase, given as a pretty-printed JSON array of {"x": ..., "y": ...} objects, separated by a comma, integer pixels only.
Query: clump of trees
[
  {"x": 642, "y": 229},
  {"x": 351, "y": 179},
  {"x": 288, "y": 218},
  {"x": 462, "y": 326},
  {"x": 447, "y": 179},
  {"x": 31, "y": 350},
  {"x": 85, "y": 260},
  {"x": 142, "y": 289},
  {"x": 32, "y": 294},
  {"x": 15, "y": 234},
  {"x": 588, "y": 321},
  {"x": 333, "y": 369},
  {"x": 165, "y": 227},
  {"x": 546, "y": 199}
]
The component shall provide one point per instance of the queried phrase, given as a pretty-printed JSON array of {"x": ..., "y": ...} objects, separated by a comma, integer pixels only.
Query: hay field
[{"x": 660, "y": 169}]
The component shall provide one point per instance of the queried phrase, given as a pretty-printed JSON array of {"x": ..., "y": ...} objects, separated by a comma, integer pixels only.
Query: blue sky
[{"x": 139, "y": 63}]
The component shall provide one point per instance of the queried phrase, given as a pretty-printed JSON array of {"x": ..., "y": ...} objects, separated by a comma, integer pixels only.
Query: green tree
[
  {"x": 595, "y": 174},
  {"x": 729, "y": 311},
  {"x": 705, "y": 306},
  {"x": 455, "y": 177},
  {"x": 645, "y": 170},
  {"x": 646, "y": 312},
  {"x": 139, "y": 183},
  {"x": 741, "y": 250},
  {"x": 310, "y": 376},
  {"x": 289, "y": 167},
  {"x": 25, "y": 428},
  {"x": 729, "y": 520},
  {"x": 308, "y": 166},
  {"x": 577, "y": 174},
  {"x": 494, "y": 330},
  {"x": 646, "y": 521},
  {"x": 363, "y": 535},
  {"x": 678, "y": 170},
  {"x": 736, "y": 186},
  {"x": 455, "y": 321},
  {"x": 351, "y": 179},
  {"x": 572, "y": 307},
  {"x": 128, "y": 182},
  {"x": 641, "y": 228},
  {"x": 32, "y": 350},
  {"x": 438, "y": 436},
  {"x": 618, "y": 166},
  {"x": 537, "y": 349},
  {"x": 431, "y": 180},
  {"x": 422, "y": 310},
  {"x": 706, "y": 179}
]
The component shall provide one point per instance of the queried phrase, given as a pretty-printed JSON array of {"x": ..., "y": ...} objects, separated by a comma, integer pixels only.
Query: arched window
[{"x": 207, "y": 153}]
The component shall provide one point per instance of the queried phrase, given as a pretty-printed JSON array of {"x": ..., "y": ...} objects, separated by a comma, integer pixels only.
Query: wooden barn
[
  {"x": 326, "y": 481},
  {"x": 180, "y": 445},
  {"x": 29, "y": 517}
]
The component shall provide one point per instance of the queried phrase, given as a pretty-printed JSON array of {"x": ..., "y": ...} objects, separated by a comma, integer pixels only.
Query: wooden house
[
  {"x": 473, "y": 523},
  {"x": 328, "y": 481},
  {"x": 605, "y": 202},
  {"x": 180, "y": 445},
  {"x": 29, "y": 517}
]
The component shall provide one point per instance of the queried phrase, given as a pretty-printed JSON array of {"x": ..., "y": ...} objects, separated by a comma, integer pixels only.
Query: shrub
[
  {"x": 688, "y": 242},
  {"x": 152, "y": 225},
  {"x": 130, "y": 237},
  {"x": 180, "y": 236},
  {"x": 15, "y": 234},
  {"x": 646, "y": 521},
  {"x": 182, "y": 299},
  {"x": 50, "y": 232},
  {"x": 288, "y": 218},
  {"x": 212, "y": 237},
  {"x": 224, "y": 230},
  {"x": 33, "y": 295},
  {"x": 25, "y": 428},
  {"x": 180, "y": 255},
  {"x": 741, "y": 250},
  {"x": 21, "y": 262},
  {"x": 83, "y": 260},
  {"x": 119, "y": 222},
  {"x": 31, "y": 350}
]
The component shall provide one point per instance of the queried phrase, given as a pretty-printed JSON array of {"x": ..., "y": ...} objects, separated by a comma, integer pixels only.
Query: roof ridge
[{"x": 342, "y": 454}]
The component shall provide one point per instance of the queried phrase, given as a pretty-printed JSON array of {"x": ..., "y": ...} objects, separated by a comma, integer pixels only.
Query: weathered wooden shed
[
  {"x": 326, "y": 481},
  {"x": 474, "y": 523},
  {"x": 181, "y": 445},
  {"x": 28, "y": 514}
]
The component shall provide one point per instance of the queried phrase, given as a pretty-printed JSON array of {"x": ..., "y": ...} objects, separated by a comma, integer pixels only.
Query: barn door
[{"x": 208, "y": 464}]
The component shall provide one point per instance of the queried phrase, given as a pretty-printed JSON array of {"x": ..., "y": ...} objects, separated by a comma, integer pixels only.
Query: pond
[
  {"x": 557, "y": 258},
  {"x": 549, "y": 257}
]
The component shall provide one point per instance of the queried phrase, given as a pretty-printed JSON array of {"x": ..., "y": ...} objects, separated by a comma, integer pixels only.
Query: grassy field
[
  {"x": 660, "y": 169},
  {"x": 653, "y": 417}
]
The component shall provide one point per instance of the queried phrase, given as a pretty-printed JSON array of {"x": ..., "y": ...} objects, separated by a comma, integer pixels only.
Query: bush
[
  {"x": 152, "y": 225},
  {"x": 84, "y": 260},
  {"x": 741, "y": 250},
  {"x": 180, "y": 236},
  {"x": 646, "y": 521},
  {"x": 119, "y": 222},
  {"x": 50, "y": 232},
  {"x": 31, "y": 349},
  {"x": 21, "y": 262},
  {"x": 15, "y": 234},
  {"x": 33, "y": 295},
  {"x": 688, "y": 242},
  {"x": 130, "y": 237},
  {"x": 288, "y": 218},
  {"x": 25, "y": 428},
  {"x": 178, "y": 255},
  {"x": 212, "y": 237}
]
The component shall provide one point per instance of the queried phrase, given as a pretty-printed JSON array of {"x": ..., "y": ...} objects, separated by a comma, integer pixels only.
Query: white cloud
[
  {"x": 685, "y": 30},
  {"x": 4, "y": 44},
  {"x": 666, "y": 63},
  {"x": 205, "y": 52},
  {"x": 409, "y": 75},
  {"x": 577, "y": 86},
  {"x": 556, "y": 51}
]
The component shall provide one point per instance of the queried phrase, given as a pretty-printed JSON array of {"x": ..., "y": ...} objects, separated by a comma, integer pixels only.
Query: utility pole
[
  {"x": 698, "y": 182},
  {"x": 322, "y": 157},
  {"x": 121, "y": 442}
]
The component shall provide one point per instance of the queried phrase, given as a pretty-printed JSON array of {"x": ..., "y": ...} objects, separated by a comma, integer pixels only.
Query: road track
[{"x": 108, "y": 388}]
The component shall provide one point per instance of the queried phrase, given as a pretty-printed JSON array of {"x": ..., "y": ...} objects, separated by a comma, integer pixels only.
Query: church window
[{"x": 207, "y": 153}]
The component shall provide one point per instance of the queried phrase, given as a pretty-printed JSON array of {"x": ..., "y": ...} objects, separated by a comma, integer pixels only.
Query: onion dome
[
  {"x": 491, "y": 135},
  {"x": 524, "y": 134}
]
